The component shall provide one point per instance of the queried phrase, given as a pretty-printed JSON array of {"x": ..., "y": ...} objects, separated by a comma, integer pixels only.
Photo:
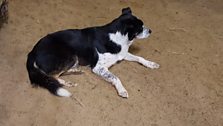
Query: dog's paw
[
  {"x": 152, "y": 65},
  {"x": 123, "y": 94},
  {"x": 70, "y": 84}
]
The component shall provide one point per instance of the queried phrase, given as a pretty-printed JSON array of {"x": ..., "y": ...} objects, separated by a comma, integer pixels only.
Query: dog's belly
[{"x": 108, "y": 59}]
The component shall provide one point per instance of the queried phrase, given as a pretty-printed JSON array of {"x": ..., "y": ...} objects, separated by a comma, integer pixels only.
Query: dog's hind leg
[
  {"x": 66, "y": 83},
  {"x": 73, "y": 70}
]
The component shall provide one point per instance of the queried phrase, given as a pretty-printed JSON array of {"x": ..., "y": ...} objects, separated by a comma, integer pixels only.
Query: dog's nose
[{"x": 150, "y": 31}]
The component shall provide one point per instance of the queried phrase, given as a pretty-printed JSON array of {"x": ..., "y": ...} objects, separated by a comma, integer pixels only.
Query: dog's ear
[
  {"x": 126, "y": 11},
  {"x": 129, "y": 29}
]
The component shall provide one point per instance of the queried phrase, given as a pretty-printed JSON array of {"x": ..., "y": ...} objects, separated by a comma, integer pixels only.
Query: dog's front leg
[
  {"x": 108, "y": 76},
  {"x": 147, "y": 63}
]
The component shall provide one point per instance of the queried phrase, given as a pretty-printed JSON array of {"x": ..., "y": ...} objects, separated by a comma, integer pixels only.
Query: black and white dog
[{"x": 98, "y": 47}]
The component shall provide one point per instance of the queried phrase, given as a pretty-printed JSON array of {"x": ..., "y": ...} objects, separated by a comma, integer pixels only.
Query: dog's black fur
[{"x": 58, "y": 52}]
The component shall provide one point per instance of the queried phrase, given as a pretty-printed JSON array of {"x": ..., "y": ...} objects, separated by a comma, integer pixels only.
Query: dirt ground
[{"x": 186, "y": 41}]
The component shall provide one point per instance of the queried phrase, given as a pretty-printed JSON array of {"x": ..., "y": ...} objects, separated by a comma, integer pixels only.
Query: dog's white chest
[{"x": 108, "y": 59}]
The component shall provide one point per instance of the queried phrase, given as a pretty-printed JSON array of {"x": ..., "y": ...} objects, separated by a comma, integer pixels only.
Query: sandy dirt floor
[{"x": 187, "y": 42}]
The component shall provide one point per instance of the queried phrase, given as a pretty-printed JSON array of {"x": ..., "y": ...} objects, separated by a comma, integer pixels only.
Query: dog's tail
[{"x": 39, "y": 78}]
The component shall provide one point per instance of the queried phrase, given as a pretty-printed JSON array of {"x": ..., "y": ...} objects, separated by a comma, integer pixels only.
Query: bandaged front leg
[{"x": 108, "y": 76}]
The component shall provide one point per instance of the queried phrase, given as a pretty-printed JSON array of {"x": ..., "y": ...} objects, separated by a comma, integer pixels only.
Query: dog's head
[{"x": 132, "y": 26}]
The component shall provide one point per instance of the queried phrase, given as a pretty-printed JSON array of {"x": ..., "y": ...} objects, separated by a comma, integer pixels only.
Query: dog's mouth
[{"x": 144, "y": 34}]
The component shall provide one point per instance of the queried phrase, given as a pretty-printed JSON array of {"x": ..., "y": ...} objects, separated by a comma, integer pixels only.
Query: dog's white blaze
[
  {"x": 108, "y": 59},
  {"x": 63, "y": 92}
]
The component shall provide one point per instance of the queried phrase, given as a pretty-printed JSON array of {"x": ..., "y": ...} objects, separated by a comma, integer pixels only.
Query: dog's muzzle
[{"x": 144, "y": 34}]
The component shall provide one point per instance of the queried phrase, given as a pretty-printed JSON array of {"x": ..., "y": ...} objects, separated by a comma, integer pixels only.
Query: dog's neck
[{"x": 120, "y": 39}]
